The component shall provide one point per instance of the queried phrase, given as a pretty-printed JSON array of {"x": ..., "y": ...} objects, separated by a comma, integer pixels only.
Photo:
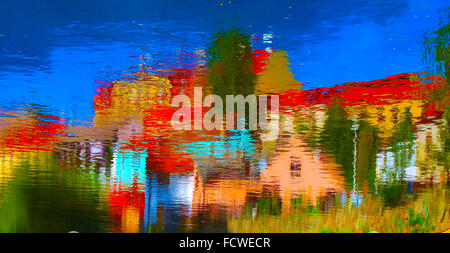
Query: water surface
[{"x": 86, "y": 142}]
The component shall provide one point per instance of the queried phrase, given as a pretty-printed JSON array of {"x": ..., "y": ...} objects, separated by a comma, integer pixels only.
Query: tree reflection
[
  {"x": 337, "y": 137},
  {"x": 43, "y": 198},
  {"x": 230, "y": 64},
  {"x": 436, "y": 47},
  {"x": 436, "y": 56}
]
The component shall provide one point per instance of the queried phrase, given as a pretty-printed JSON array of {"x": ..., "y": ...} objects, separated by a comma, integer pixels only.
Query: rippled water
[{"x": 86, "y": 142}]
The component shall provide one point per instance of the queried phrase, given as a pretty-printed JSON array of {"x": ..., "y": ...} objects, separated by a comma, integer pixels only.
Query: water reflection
[
  {"x": 230, "y": 64},
  {"x": 353, "y": 157}
]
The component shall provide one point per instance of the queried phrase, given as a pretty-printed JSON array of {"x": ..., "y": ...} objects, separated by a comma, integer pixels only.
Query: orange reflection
[{"x": 297, "y": 171}]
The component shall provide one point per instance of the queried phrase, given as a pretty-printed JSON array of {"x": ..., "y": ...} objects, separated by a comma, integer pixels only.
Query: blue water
[{"x": 52, "y": 52}]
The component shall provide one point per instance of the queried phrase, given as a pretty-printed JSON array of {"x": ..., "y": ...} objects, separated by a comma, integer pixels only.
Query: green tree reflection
[
  {"x": 43, "y": 198},
  {"x": 230, "y": 65},
  {"x": 337, "y": 137},
  {"x": 436, "y": 53},
  {"x": 436, "y": 56},
  {"x": 368, "y": 147}
]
